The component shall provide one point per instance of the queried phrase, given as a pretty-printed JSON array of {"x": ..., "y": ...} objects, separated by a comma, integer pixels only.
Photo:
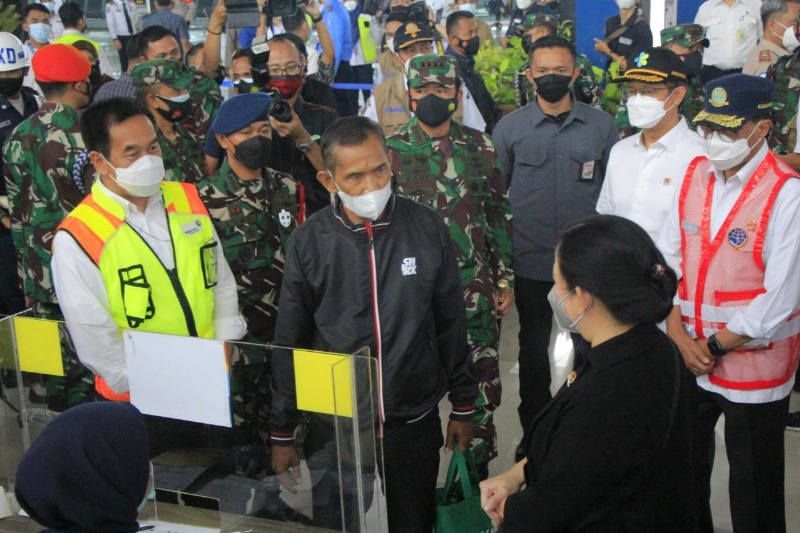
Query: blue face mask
[{"x": 39, "y": 32}]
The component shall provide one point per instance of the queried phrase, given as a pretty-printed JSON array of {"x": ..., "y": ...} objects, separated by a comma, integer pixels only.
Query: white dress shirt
[
  {"x": 115, "y": 18},
  {"x": 732, "y": 31},
  {"x": 30, "y": 78},
  {"x": 84, "y": 299},
  {"x": 781, "y": 254},
  {"x": 640, "y": 182}
]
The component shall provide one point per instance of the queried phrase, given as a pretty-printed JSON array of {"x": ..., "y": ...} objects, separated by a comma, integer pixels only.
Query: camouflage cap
[
  {"x": 410, "y": 33},
  {"x": 533, "y": 20},
  {"x": 423, "y": 70},
  {"x": 684, "y": 35},
  {"x": 170, "y": 72}
]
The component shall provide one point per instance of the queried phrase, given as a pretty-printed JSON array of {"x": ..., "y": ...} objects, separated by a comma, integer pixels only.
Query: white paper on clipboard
[{"x": 178, "y": 377}]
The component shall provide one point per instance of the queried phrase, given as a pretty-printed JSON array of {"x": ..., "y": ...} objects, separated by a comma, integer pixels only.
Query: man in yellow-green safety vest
[{"x": 137, "y": 253}]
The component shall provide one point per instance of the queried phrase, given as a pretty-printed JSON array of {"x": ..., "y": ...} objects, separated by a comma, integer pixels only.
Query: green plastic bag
[{"x": 458, "y": 504}]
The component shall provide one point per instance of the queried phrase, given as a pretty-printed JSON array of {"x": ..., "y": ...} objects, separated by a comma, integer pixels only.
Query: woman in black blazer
[{"x": 613, "y": 450}]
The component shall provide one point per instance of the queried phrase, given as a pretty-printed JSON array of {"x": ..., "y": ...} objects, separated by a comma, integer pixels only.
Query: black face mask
[
  {"x": 244, "y": 87},
  {"x": 176, "y": 111},
  {"x": 471, "y": 46},
  {"x": 692, "y": 63},
  {"x": 527, "y": 43},
  {"x": 94, "y": 75},
  {"x": 88, "y": 93},
  {"x": 254, "y": 152},
  {"x": 433, "y": 110},
  {"x": 10, "y": 86},
  {"x": 552, "y": 87}
]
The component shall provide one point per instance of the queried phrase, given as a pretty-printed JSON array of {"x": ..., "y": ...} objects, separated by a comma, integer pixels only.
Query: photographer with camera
[{"x": 320, "y": 65}]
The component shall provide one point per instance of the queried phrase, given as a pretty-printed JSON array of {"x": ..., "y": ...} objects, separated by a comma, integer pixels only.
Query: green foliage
[
  {"x": 9, "y": 18},
  {"x": 498, "y": 65}
]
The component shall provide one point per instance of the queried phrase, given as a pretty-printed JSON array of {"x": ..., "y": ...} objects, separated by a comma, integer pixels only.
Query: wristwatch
[
  {"x": 305, "y": 147},
  {"x": 715, "y": 347}
]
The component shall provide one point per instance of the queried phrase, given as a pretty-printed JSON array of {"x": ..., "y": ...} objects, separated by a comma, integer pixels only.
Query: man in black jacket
[{"x": 377, "y": 270}]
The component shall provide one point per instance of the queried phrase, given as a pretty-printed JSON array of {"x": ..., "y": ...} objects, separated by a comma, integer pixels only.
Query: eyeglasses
[
  {"x": 290, "y": 70},
  {"x": 647, "y": 91},
  {"x": 728, "y": 136}
]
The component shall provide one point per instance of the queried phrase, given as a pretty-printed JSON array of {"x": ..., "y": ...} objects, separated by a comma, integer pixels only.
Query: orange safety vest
[{"x": 721, "y": 276}]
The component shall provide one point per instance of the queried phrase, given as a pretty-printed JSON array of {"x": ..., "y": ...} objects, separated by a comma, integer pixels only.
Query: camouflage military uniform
[
  {"x": 785, "y": 72},
  {"x": 459, "y": 177},
  {"x": 253, "y": 220},
  {"x": 184, "y": 158},
  {"x": 207, "y": 98},
  {"x": 38, "y": 157}
]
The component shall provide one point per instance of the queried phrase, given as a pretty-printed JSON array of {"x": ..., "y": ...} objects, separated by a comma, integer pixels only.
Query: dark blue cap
[
  {"x": 240, "y": 111},
  {"x": 733, "y": 99}
]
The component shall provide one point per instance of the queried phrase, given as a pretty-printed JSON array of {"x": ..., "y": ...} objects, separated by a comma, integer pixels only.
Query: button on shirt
[
  {"x": 555, "y": 172},
  {"x": 641, "y": 182},
  {"x": 733, "y": 31},
  {"x": 781, "y": 254},
  {"x": 84, "y": 299}
]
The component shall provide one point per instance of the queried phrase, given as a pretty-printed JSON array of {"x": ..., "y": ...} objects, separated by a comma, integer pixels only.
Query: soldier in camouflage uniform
[
  {"x": 161, "y": 88},
  {"x": 586, "y": 89},
  {"x": 38, "y": 157},
  {"x": 157, "y": 42},
  {"x": 254, "y": 210},
  {"x": 785, "y": 72},
  {"x": 688, "y": 42},
  {"x": 452, "y": 169}
]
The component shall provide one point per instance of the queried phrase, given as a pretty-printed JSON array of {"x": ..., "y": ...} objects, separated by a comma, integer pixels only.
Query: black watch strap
[{"x": 715, "y": 347}]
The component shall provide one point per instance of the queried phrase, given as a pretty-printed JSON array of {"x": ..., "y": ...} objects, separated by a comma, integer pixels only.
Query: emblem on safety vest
[{"x": 737, "y": 237}]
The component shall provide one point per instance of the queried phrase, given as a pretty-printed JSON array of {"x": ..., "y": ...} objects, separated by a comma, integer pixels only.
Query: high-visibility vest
[
  {"x": 721, "y": 276},
  {"x": 72, "y": 39},
  {"x": 368, "y": 47},
  {"x": 143, "y": 295}
]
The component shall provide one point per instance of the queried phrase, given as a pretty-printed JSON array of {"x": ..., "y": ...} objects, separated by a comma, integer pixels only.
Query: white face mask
[
  {"x": 645, "y": 112},
  {"x": 369, "y": 205},
  {"x": 143, "y": 178},
  {"x": 789, "y": 39},
  {"x": 725, "y": 155},
  {"x": 626, "y": 4},
  {"x": 524, "y": 4},
  {"x": 560, "y": 314},
  {"x": 390, "y": 44},
  {"x": 467, "y": 7},
  {"x": 350, "y": 5}
]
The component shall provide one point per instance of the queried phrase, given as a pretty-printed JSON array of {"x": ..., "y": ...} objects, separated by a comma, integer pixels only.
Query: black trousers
[
  {"x": 12, "y": 300},
  {"x": 535, "y": 323},
  {"x": 345, "y": 98},
  {"x": 363, "y": 74},
  {"x": 754, "y": 443},
  {"x": 123, "y": 52},
  {"x": 708, "y": 73}
]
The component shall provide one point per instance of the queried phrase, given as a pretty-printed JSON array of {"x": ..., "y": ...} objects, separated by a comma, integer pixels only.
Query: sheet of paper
[
  {"x": 315, "y": 374},
  {"x": 178, "y": 377},
  {"x": 169, "y": 527},
  {"x": 38, "y": 346}
]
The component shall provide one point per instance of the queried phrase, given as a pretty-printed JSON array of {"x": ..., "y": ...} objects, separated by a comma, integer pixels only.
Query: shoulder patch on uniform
[{"x": 765, "y": 55}]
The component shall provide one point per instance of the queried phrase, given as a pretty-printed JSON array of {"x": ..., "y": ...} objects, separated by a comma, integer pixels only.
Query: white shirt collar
[
  {"x": 747, "y": 171},
  {"x": 128, "y": 206},
  {"x": 671, "y": 139}
]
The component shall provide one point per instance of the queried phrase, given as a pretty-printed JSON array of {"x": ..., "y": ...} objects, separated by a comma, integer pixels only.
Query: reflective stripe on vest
[
  {"x": 721, "y": 276},
  {"x": 143, "y": 295}
]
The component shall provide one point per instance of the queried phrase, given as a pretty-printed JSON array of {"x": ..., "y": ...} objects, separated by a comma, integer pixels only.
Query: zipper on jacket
[{"x": 376, "y": 317}]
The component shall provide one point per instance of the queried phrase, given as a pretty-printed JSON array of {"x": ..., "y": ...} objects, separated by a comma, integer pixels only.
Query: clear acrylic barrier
[{"x": 216, "y": 475}]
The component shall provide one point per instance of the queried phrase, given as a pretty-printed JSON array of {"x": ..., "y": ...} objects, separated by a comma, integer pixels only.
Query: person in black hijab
[{"x": 89, "y": 471}]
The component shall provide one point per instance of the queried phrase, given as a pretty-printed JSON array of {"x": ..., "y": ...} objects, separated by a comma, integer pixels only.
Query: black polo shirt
[{"x": 631, "y": 43}]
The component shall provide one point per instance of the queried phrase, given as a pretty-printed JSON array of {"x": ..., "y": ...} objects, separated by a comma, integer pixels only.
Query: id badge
[
  {"x": 741, "y": 33},
  {"x": 208, "y": 259},
  {"x": 587, "y": 172}
]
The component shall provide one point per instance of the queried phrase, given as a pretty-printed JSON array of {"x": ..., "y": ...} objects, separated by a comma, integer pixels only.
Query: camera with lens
[
  {"x": 418, "y": 12},
  {"x": 279, "y": 108},
  {"x": 242, "y": 13}
]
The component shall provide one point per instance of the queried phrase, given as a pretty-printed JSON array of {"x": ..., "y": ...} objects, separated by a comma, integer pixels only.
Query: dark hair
[
  {"x": 616, "y": 261},
  {"x": 297, "y": 41},
  {"x": 191, "y": 52},
  {"x": 149, "y": 35},
  {"x": 34, "y": 7},
  {"x": 289, "y": 38},
  {"x": 242, "y": 52},
  {"x": 52, "y": 89},
  {"x": 98, "y": 118},
  {"x": 86, "y": 46},
  {"x": 553, "y": 41},
  {"x": 294, "y": 22},
  {"x": 454, "y": 18},
  {"x": 349, "y": 131},
  {"x": 70, "y": 13},
  {"x": 132, "y": 48},
  {"x": 163, "y": 3},
  {"x": 395, "y": 17}
]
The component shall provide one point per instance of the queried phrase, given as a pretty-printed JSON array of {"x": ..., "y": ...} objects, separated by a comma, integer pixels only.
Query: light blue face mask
[
  {"x": 150, "y": 495},
  {"x": 39, "y": 32}
]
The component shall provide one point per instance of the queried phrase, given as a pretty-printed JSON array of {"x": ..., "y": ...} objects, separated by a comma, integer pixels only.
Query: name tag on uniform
[
  {"x": 191, "y": 227},
  {"x": 626, "y": 41},
  {"x": 688, "y": 227},
  {"x": 587, "y": 172}
]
